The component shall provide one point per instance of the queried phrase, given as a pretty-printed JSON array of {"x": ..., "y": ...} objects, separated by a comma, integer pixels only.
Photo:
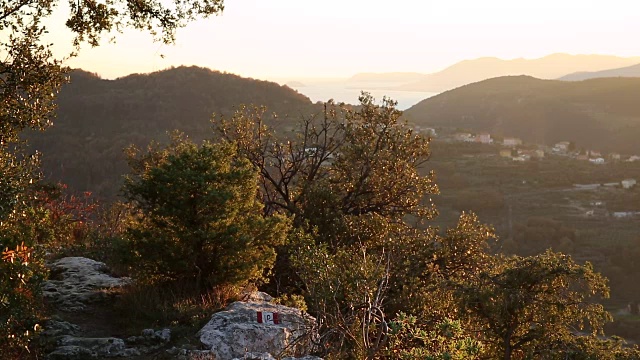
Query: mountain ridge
[
  {"x": 472, "y": 70},
  {"x": 602, "y": 114},
  {"x": 98, "y": 118}
]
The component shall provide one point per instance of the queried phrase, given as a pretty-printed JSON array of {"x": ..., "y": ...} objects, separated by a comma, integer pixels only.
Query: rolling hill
[
  {"x": 601, "y": 114},
  {"x": 98, "y": 118},
  {"x": 628, "y": 71},
  {"x": 548, "y": 67}
]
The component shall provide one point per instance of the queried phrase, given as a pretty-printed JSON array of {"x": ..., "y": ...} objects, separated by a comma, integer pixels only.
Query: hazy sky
[{"x": 288, "y": 39}]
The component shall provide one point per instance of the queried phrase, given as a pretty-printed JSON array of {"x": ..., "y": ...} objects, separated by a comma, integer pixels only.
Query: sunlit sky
[{"x": 291, "y": 39}]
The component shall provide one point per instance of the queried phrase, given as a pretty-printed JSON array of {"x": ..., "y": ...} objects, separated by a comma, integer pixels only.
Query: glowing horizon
[{"x": 288, "y": 39}]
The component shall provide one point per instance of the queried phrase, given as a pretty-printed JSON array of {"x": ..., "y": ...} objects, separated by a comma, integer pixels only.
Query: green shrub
[{"x": 197, "y": 216}]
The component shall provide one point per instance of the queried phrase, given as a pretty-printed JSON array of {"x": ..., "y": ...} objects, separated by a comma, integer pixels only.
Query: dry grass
[{"x": 177, "y": 305}]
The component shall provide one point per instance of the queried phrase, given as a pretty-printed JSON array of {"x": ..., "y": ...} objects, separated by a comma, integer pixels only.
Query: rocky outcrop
[
  {"x": 77, "y": 284},
  {"x": 77, "y": 281},
  {"x": 78, "y": 287},
  {"x": 236, "y": 332},
  {"x": 72, "y": 347}
]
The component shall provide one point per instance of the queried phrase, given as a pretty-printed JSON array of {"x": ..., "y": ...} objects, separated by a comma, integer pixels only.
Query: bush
[
  {"x": 198, "y": 218},
  {"x": 21, "y": 277}
]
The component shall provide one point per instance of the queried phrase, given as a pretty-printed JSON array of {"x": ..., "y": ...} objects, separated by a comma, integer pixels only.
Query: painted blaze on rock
[
  {"x": 259, "y": 327},
  {"x": 268, "y": 317}
]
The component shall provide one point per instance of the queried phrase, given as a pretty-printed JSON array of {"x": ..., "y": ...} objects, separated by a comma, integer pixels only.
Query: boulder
[
  {"x": 77, "y": 281},
  {"x": 73, "y": 347},
  {"x": 55, "y": 327},
  {"x": 236, "y": 332},
  {"x": 98, "y": 347}
]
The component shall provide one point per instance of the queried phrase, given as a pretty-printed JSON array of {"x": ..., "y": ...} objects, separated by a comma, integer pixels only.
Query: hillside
[
  {"x": 548, "y": 67},
  {"x": 628, "y": 71},
  {"x": 602, "y": 114},
  {"x": 98, "y": 118}
]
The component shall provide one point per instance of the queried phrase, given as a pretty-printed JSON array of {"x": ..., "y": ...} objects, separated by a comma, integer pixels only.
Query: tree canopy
[{"x": 199, "y": 217}]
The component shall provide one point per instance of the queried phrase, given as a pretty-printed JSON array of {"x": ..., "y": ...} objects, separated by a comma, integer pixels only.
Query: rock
[
  {"x": 103, "y": 347},
  {"x": 257, "y": 296},
  {"x": 71, "y": 347},
  {"x": 256, "y": 356},
  {"x": 151, "y": 339},
  {"x": 185, "y": 354},
  {"x": 53, "y": 328},
  {"x": 71, "y": 352},
  {"x": 77, "y": 281},
  {"x": 235, "y": 332}
]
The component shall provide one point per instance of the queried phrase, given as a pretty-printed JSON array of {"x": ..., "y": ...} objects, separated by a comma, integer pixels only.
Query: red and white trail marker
[{"x": 268, "y": 317}]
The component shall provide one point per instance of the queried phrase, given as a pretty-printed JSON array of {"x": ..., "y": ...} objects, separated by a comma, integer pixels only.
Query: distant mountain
[
  {"x": 98, "y": 118},
  {"x": 394, "y": 77},
  {"x": 629, "y": 71},
  {"x": 600, "y": 114},
  {"x": 548, "y": 67}
]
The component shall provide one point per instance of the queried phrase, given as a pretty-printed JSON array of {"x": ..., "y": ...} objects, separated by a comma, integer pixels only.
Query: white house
[
  {"x": 510, "y": 141},
  {"x": 561, "y": 147},
  {"x": 463, "y": 137},
  {"x": 484, "y": 138},
  {"x": 628, "y": 183}
]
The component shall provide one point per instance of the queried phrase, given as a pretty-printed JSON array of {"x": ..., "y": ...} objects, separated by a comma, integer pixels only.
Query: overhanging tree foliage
[{"x": 30, "y": 78}]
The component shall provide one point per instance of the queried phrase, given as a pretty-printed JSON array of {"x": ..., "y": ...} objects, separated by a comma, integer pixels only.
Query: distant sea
[{"x": 348, "y": 92}]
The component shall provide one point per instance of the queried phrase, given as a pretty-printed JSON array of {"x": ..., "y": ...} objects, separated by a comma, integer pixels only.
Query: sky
[{"x": 297, "y": 39}]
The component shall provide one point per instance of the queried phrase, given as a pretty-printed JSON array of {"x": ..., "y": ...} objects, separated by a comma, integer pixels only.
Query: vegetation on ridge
[{"x": 598, "y": 114}]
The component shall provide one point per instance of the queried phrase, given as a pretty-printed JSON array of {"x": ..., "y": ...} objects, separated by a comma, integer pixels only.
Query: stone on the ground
[
  {"x": 72, "y": 347},
  {"x": 150, "y": 339},
  {"x": 53, "y": 328},
  {"x": 256, "y": 356},
  {"x": 78, "y": 281},
  {"x": 257, "y": 296},
  {"x": 71, "y": 352},
  {"x": 184, "y": 354},
  {"x": 101, "y": 347},
  {"x": 235, "y": 332}
]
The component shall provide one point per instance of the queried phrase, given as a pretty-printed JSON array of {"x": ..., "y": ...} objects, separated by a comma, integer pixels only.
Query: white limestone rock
[
  {"x": 72, "y": 352},
  {"x": 101, "y": 347},
  {"x": 235, "y": 332},
  {"x": 256, "y": 356},
  {"x": 77, "y": 281},
  {"x": 54, "y": 327}
]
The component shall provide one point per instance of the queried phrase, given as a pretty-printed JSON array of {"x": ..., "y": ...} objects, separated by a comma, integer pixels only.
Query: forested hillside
[
  {"x": 98, "y": 118},
  {"x": 602, "y": 114}
]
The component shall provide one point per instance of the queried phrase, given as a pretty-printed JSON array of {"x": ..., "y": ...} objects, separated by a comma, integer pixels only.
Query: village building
[
  {"x": 463, "y": 137},
  {"x": 511, "y": 141},
  {"x": 484, "y": 138},
  {"x": 561, "y": 147},
  {"x": 628, "y": 183}
]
